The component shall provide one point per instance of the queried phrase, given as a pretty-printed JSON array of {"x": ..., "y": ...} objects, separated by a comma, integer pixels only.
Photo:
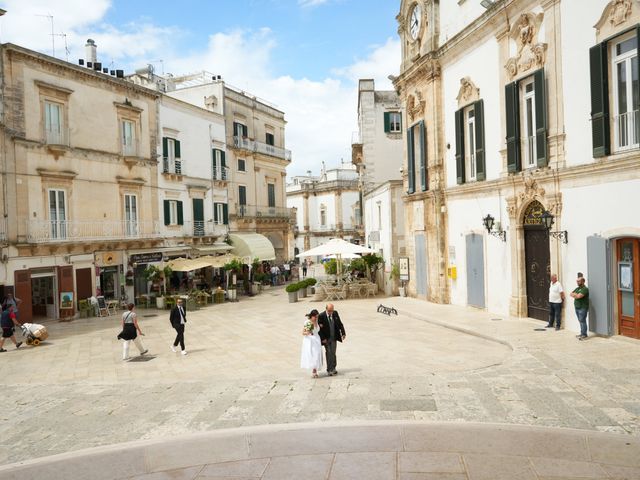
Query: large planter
[
  {"x": 160, "y": 303},
  {"x": 403, "y": 292},
  {"x": 255, "y": 288},
  {"x": 232, "y": 294},
  {"x": 293, "y": 297},
  {"x": 302, "y": 293}
]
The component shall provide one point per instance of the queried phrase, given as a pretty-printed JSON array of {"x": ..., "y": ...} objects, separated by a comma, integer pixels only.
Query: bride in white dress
[{"x": 311, "y": 355}]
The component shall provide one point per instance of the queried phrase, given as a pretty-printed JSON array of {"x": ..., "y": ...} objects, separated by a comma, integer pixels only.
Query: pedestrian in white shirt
[{"x": 556, "y": 297}]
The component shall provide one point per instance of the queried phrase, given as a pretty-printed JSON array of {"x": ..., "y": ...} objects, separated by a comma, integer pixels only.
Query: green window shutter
[
  {"x": 223, "y": 160},
  {"x": 514, "y": 163},
  {"x": 242, "y": 195},
  {"x": 180, "y": 216},
  {"x": 423, "y": 158},
  {"x": 600, "y": 135},
  {"x": 215, "y": 212},
  {"x": 478, "y": 110},
  {"x": 198, "y": 210},
  {"x": 177, "y": 147},
  {"x": 539, "y": 84},
  {"x": 225, "y": 214},
  {"x": 167, "y": 212},
  {"x": 236, "y": 127},
  {"x": 460, "y": 166},
  {"x": 387, "y": 122},
  {"x": 165, "y": 147},
  {"x": 410, "y": 162}
]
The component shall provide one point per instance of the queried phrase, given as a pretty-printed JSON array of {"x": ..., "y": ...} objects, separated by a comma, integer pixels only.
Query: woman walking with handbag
[{"x": 130, "y": 331}]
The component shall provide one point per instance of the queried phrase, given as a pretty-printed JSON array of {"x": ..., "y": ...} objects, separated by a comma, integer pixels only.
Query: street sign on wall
[{"x": 403, "y": 265}]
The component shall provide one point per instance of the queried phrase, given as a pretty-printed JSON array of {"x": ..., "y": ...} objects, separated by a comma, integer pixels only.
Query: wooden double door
[{"x": 628, "y": 286}]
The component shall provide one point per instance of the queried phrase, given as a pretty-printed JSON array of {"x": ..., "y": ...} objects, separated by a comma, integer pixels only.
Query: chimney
[{"x": 90, "y": 51}]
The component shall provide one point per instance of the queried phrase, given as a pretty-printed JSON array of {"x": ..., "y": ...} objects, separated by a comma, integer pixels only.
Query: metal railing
[
  {"x": 252, "y": 211},
  {"x": 47, "y": 231},
  {"x": 221, "y": 173},
  {"x": 129, "y": 149},
  {"x": 3, "y": 229},
  {"x": 627, "y": 127},
  {"x": 172, "y": 165},
  {"x": 260, "y": 147}
]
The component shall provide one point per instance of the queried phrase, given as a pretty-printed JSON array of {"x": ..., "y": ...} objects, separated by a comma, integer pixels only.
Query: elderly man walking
[
  {"x": 331, "y": 332},
  {"x": 556, "y": 297}
]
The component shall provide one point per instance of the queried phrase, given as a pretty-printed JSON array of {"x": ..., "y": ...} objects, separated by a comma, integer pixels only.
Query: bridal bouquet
[{"x": 308, "y": 327}]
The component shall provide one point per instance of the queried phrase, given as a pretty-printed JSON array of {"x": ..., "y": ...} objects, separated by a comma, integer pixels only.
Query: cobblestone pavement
[{"x": 431, "y": 362}]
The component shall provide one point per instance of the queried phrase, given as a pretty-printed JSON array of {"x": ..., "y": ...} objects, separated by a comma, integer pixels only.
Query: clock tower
[{"x": 418, "y": 29}]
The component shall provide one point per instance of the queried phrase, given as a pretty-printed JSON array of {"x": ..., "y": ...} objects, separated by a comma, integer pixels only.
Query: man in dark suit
[
  {"x": 178, "y": 318},
  {"x": 331, "y": 331}
]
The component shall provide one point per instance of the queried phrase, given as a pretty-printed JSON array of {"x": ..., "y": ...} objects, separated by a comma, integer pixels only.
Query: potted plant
[
  {"x": 394, "y": 276},
  {"x": 302, "y": 293},
  {"x": 292, "y": 290},
  {"x": 311, "y": 282}
]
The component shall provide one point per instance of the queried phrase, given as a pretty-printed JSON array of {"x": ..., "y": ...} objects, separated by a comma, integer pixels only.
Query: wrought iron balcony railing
[{"x": 260, "y": 147}]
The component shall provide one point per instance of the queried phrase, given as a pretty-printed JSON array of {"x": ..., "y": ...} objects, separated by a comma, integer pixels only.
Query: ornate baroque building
[{"x": 522, "y": 148}]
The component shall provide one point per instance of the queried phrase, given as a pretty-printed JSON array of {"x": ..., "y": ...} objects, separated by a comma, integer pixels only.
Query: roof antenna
[
  {"x": 53, "y": 35},
  {"x": 66, "y": 49}
]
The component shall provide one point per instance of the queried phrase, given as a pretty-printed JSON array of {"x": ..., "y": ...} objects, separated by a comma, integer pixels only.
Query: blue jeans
[
  {"x": 555, "y": 313},
  {"x": 581, "y": 313}
]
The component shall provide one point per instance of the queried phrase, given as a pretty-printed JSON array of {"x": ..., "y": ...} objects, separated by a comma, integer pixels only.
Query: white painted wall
[
  {"x": 455, "y": 16},
  {"x": 482, "y": 65},
  {"x": 578, "y": 35},
  {"x": 465, "y": 217}
]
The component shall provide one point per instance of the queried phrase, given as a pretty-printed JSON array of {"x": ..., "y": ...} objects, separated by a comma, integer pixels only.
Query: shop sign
[
  {"x": 105, "y": 259},
  {"x": 403, "y": 265},
  {"x": 150, "y": 257}
]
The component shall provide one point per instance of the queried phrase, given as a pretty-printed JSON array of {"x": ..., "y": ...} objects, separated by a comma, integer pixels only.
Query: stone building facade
[{"x": 531, "y": 112}]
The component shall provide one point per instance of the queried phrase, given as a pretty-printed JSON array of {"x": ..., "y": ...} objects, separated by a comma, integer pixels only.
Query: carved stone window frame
[
  {"x": 127, "y": 112},
  {"x": 49, "y": 93}
]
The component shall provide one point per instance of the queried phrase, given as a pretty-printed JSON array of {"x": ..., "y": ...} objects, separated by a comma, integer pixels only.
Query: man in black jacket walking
[
  {"x": 331, "y": 331},
  {"x": 178, "y": 318}
]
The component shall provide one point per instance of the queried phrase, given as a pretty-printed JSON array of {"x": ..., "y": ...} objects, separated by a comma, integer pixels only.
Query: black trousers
[{"x": 179, "y": 337}]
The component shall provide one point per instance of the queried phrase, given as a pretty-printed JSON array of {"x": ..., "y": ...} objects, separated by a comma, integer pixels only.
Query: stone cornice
[
  {"x": 43, "y": 59},
  {"x": 137, "y": 182},
  {"x": 128, "y": 106},
  {"x": 65, "y": 174},
  {"x": 50, "y": 86},
  {"x": 612, "y": 165}
]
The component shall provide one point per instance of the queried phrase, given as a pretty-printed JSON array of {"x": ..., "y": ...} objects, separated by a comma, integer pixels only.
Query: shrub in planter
[{"x": 292, "y": 290}]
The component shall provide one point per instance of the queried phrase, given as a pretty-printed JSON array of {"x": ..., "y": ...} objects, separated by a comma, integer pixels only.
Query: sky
[{"x": 304, "y": 56}]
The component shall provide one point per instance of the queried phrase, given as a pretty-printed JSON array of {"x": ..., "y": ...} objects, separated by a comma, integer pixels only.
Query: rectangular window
[
  {"x": 57, "y": 214},
  {"x": 219, "y": 169},
  {"x": 219, "y": 214},
  {"x": 270, "y": 139},
  {"x": 173, "y": 212},
  {"x": 323, "y": 216},
  {"x": 470, "y": 144},
  {"x": 242, "y": 167},
  {"x": 128, "y": 138},
  {"x": 171, "y": 162},
  {"x": 130, "y": 215},
  {"x": 624, "y": 58},
  {"x": 271, "y": 194},
  {"x": 395, "y": 122},
  {"x": 528, "y": 122},
  {"x": 240, "y": 130},
  {"x": 242, "y": 195},
  {"x": 392, "y": 122},
  {"x": 417, "y": 156},
  {"x": 53, "y": 123}
]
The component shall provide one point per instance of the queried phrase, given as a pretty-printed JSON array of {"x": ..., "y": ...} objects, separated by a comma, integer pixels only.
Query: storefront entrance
[
  {"x": 537, "y": 262},
  {"x": 44, "y": 295},
  {"x": 109, "y": 282},
  {"x": 628, "y": 291}
]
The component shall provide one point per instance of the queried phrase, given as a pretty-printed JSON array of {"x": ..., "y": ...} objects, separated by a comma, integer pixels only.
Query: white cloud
[{"x": 321, "y": 114}]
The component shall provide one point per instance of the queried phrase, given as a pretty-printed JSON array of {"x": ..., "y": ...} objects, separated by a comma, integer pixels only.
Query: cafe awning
[
  {"x": 252, "y": 245},
  {"x": 217, "y": 262},
  {"x": 186, "y": 264},
  {"x": 215, "y": 248}
]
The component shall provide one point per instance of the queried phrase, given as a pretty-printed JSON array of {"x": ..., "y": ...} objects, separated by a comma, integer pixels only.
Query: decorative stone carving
[
  {"x": 531, "y": 190},
  {"x": 615, "y": 13},
  {"x": 468, "y": 92},
  {"x": 530, "y": 53},
  {"x": 415, "y": 105}
]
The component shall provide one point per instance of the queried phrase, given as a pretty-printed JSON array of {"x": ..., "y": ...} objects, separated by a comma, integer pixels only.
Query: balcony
[
  {"x": 46, "y": 231},
  {"x": 172, "y": 166},
  {"x": 252, "y": 211},
  {"x": 129, "y": 149},
  {"x": 56, "y": 138},
  {"x": 627, "y": 130},
  {"x": 245, "y": 143},
  {"x": 199, "y": 228},
  {"x": 220, "y": 174}
]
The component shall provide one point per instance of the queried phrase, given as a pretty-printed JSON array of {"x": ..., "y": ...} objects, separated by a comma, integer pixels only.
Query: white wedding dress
[{"x": 311, "y": 355}]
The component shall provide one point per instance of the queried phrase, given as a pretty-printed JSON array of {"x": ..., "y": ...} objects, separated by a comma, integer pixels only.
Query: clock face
[{"x": 415, "y": 21}]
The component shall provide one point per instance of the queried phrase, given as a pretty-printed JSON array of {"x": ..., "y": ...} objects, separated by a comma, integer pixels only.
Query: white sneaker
[
  {"x": 173, "y": 349},
  {"x": 184, "y": 352}
]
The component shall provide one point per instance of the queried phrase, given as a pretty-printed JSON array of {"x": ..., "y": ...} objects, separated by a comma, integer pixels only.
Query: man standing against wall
[
  {"x": 556, "y": 297},
  {"x": 581, "y": 303}
]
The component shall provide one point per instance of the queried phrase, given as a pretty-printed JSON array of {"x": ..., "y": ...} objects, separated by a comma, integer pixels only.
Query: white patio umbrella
[{"x": 337, "y": 247}]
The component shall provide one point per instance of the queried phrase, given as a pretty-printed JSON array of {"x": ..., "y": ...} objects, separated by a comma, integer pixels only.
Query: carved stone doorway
[{"x": 537, "y": 262}]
